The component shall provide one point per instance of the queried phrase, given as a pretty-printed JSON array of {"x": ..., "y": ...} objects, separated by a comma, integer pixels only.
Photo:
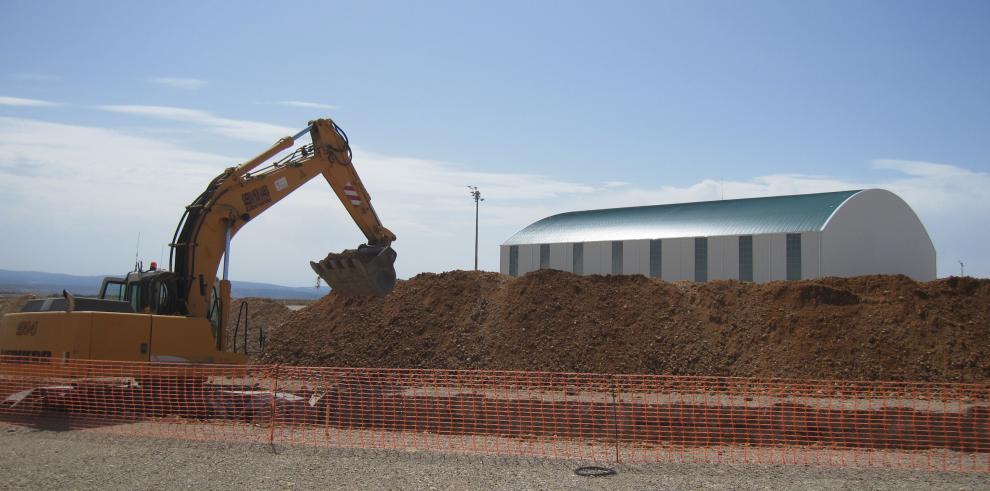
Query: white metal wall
[
  {"x": 529, "y": 258},
  {"x": 778, "y": 257},
  {"x": 598, "y": 257},
  {"x": 676, "y": 259},
  {"x": 561, "y": 256},
  {"x": 503, "y": 259},
  {"x": 636, "y": 257},
  {"x": 810, "y": 255},
  {"x": 876, "y": 232},
  {"x": 729, "y": 267},
  {"x": 716, "y": 257},
  {"x": 761, "y": 258}
]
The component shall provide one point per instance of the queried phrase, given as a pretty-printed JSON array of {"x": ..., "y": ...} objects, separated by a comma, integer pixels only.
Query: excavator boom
[
  {"x": 241, "y": 193},
  {"x": 368, "y": 270}
]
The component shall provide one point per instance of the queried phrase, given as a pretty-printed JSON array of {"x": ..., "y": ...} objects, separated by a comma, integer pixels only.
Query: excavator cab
[{"x": 152, "y": 291}]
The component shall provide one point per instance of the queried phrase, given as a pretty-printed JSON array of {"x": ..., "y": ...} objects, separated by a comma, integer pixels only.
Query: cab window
[
  {"x": 161, "y": 297},
  {"x": 113, "y": 291},
  {"x": 134, "y": 295}
]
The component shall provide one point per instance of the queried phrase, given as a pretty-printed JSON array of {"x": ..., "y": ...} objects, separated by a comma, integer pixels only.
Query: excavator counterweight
[{"x": 365, "y": 271}]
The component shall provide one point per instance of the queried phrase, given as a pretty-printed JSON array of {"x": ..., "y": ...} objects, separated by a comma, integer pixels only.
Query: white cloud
[
  {"x": 180, "y": 82},
  {"x": 308, "y": 105},
  {"x": 33, "y": 77},
  {"x": 75, "y": 197},
  {"x": 20, "y": 101},
  {"x": 418, "y": 192},
  {"x": 940, "y": 188},
  {"x": 231, "y": 128},
  {"x": 76, "y": 203},
  {"x": 921, "y": 169}
]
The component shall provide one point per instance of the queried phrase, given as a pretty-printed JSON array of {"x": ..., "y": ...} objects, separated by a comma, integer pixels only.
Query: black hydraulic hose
[
  {"x": 243, "y": 309},
  {"x": 186, "y": 242},
  {"x": 199, "y": 225},
  {"x": 347, "y": 143},
  {"x": 185, "y": 214},
  {"x": 237, "y": 327},
  {"x": 175, "y": 236},
  {"x": 261, "y": 338},
  {"x": 340, "y": 131}
]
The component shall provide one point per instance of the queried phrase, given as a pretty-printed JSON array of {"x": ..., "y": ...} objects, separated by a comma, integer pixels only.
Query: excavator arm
[{"x": 241, "y": 193}]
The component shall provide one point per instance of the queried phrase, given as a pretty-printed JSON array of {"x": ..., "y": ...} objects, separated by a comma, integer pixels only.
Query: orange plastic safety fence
[{"x": 589, "y": 417}]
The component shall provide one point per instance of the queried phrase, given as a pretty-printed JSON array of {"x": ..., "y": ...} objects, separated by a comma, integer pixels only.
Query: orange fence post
[
  {"x": 615, "y": 419},
  {"x": 274, "y": 406}
]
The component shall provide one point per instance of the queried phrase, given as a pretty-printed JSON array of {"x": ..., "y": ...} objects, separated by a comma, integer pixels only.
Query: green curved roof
[{"x": 750, "y": 216}]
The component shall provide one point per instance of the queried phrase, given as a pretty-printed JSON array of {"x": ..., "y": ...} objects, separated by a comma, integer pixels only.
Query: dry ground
[
  {"x": 863, "y": 328},
  {"x": 40, "y": 459}
]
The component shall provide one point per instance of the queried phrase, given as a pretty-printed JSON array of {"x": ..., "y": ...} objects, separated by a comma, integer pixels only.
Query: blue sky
[{"x": 547, "y": 106}]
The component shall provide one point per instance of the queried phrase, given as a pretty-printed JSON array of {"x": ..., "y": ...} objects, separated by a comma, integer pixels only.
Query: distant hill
[{"x": 49, "y": 283}]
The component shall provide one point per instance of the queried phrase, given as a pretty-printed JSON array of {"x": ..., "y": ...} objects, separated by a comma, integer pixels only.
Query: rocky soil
[
  {"x": 871, "y": 327},
  {"x": 262, "y": 316},
  {"x": 13, "y": 303}
]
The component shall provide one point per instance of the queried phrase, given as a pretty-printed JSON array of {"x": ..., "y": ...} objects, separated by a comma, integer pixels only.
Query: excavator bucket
[{"x": 365, "y": 271}]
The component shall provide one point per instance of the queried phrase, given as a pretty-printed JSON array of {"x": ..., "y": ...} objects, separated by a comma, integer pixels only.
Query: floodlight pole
[
  {"x": 962, "y": 270},
  {"x": 476, "y": 194}
]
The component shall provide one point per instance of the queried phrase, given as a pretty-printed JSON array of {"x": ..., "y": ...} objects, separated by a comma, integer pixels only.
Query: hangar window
[
  {"x": 655, "y": 254},
  {"x": 701, "y": 259},
  {"x": 513, "y": 260},
  {"x": 544, "y": 256},
  {"x": 745, "y": 258},
  {"x": 616, "y": 257},
  {"x": 577, "y": 265},
  {"x": 793, "y": 256}
]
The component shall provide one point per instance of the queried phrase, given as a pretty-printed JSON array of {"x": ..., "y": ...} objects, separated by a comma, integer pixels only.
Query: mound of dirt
[
  {"x": 263, "y": 315},
  {"x": 13, "y": 303},
  {"x": 871, "y": 327}
]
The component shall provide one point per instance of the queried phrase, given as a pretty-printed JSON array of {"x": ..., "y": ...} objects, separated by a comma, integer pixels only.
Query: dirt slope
[
  {"x": 13, "y": 303},
  {"x": 263, "y": 315},
  {"x": 872, "y": 327}
]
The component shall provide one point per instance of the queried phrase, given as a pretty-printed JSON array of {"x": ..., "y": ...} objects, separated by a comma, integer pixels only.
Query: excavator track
[{"x": 365, "y": 271}]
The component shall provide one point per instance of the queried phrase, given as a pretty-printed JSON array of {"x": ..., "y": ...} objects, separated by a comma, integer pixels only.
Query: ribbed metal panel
[{"x": 751, "y": 216}]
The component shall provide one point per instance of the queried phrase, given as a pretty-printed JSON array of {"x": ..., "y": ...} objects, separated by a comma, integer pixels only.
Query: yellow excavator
[{"x": 178, "y": 315}]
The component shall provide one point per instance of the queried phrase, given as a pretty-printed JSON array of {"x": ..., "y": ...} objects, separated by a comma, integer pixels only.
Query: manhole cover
[{"x": 594, "y": 471}]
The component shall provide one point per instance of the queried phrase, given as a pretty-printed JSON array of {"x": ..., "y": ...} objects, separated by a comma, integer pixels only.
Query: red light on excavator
[{"x": 154, "y": 266}]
